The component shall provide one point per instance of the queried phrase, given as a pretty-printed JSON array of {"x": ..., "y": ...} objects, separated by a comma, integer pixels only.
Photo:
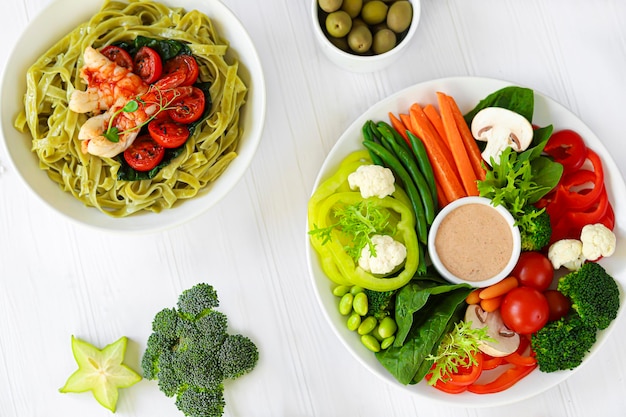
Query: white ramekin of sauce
[{"x": 471, "y": 241}]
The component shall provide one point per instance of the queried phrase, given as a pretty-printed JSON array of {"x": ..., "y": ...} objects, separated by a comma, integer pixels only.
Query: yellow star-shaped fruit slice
[{"x": 100, "y": 371}]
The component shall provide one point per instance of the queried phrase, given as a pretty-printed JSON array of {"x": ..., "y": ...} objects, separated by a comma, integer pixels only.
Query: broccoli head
[
  {"x": 201, "y": 403},
  {"x": 562, "y": 344},
  {"x": 534, "y": 226},
  {"x": 190, "y": 353},
  {"x": 237, "y": 356},
  {"x": 594, "y": 294},
  {"x": 380, "y": 304},
  {"x": 197, "y": 300}
]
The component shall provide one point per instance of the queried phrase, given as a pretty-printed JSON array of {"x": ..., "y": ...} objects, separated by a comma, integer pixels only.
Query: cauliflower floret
[
  {"x": 597, "y": 240},
  {"x": 372, "y": 180},
  {"x": 389, "y": 255},
  {"x": 567, "y": 253}
]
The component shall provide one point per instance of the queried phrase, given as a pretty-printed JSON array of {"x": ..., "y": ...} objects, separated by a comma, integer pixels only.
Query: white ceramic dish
[
  {"x": 357, "y": 63},
  {"x": 467, "y": 92},
  {"x": 41, "y": 34},
  {"x": 441, "y": 267}
]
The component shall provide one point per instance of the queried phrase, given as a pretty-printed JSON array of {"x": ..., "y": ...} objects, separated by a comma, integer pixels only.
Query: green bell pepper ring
[{"x": 405, "y": 233}]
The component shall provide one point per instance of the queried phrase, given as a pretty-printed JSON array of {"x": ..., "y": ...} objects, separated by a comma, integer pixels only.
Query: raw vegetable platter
[{"x": 467, "y": 92}]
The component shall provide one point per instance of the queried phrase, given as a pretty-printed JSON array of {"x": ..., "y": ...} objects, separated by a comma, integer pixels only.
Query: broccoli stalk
[{"x": 190, "y": 353}]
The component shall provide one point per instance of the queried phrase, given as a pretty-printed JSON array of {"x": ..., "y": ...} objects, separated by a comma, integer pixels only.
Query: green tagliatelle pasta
[{"x": 92, "y": 179}]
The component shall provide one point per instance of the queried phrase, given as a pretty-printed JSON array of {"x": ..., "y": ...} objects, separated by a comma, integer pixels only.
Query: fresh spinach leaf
[
  {"x": 127, "y": 173},
  {"x": 433, "y": 319},
  {"x": 518, "y": 99},
  {"x": 166, "y": 48}
]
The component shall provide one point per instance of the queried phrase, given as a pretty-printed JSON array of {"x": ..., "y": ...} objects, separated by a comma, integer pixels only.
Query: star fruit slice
[{"x": 100, "y": 371}]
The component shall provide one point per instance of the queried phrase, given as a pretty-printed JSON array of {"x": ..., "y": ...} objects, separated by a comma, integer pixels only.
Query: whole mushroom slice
[
  {"x": 501, "y": 128},
  {"x": 505, "y": 341}
]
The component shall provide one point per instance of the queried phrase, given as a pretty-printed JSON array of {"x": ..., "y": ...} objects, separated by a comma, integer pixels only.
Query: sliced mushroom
[
  {"x": 505, "y": 341},
  {"x": 501, "y": 128}
]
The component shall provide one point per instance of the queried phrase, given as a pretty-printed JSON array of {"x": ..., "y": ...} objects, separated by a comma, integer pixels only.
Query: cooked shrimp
[
  {"x": 127, "y": 123},
  {"x": 108, "y": 84}
]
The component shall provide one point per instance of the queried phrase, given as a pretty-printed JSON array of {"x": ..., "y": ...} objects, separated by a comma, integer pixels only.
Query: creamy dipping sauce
[{"x": 474, "y": 242}]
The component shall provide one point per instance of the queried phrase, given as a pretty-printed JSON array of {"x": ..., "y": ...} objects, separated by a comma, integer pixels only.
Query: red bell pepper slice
[
  {"x": 469, "y": 375},
  {"x": 573, "y": 186},
  {"x": 567, "y": 148},
  {"x": 491, "y": 362},
  {"x": 504, "y": 381}
]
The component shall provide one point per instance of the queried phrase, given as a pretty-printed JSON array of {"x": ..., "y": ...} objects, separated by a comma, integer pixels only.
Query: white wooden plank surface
[{"x": 59, "y": 279}]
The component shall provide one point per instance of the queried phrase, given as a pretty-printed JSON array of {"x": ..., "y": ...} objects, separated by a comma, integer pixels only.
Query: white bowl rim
[{"x": 506, "y": 215}]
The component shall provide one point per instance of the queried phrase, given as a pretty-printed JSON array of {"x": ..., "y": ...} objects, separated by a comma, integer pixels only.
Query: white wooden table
[{"x": 58, "y": 278}]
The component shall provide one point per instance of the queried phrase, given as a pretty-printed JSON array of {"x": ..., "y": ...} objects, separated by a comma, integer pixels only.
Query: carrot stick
[
  {"x": 491, "y": 304},
  {"x": 439, "y": 155},
  {"x": 398, "y": 125},
  {"x": 498, "y": 289},
  {"x": 470, "y": 143},
  {"x": 457, "y": 147},
  {"x": 406, "y": 121},
  {"x": 435, "y": 119}
]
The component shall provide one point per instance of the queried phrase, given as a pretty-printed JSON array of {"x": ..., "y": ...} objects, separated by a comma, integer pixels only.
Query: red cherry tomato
[
  {"x": 144, "y": 154},
  {"x": 534, "y": 269},
  {"x": 118, "y": 55},
  {"x": 524, "y": 310},
  {"x": 148, "y": 64},
  {"x": 188, "y": 108},
  {"x": 182, "y": 70},
  {"x": 168, "y": 133},
  {"x": 558, "y": 303}
]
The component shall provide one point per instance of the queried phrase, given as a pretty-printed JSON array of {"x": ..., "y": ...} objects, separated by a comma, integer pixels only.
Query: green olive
[
  {"x": 399, "y": 16},
  {"x": 360, "y": 39},
  {"x": 330, "y": 6},
  {"x": 352, "y": 7},
  {"x": 338, "y": 24},
  {"x": 374, "y": 12},
  {"x": 384, "y": 41}
]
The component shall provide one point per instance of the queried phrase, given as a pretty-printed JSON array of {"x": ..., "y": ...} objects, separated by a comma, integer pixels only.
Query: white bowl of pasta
[{"x": 44, "y": 132}]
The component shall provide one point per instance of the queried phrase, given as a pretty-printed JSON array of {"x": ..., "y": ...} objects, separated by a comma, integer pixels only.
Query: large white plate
[
  {"x": 55, "y": 21},
  {"x": 467, "y": 92}
]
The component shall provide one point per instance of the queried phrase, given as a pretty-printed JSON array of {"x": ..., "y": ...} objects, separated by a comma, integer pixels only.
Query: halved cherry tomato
[
  {"x": 182, "y": 70},
  {"x": 568, "y": 149},
  {"x": 118, "y": 55},
  {"x": 144, "y": 154},
  {"x": 148, "y": 64},
  {"x": 534, "y": 269},
  {"x": 168, "y": 133},
  {"x": 189, "y": 108}
]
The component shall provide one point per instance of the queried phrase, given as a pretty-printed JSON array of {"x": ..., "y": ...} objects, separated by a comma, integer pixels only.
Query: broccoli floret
[
  {"x": 197, "y": 300},
  {"x": 238, "y": 355},
  {"x": 562, "y": 344},
  {"x": 534, "y": 226},
  {"x": 166, "y": 322},
  {"x": 380, "y": 304},
  {"x": 190, "y": 353},
  {"x": 594, "y": 294},
  {"x": 203, "y": 403}
]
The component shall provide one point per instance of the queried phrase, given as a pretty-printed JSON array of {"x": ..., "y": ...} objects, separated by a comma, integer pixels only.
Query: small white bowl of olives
[{"x": 364, "y": 35}]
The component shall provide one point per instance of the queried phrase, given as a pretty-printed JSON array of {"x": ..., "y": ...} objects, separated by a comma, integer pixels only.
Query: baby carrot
[
  {"x": 499, "y": 289},
  {"x": 473, "y": 297},
  {"x": 491, "y": 304}
]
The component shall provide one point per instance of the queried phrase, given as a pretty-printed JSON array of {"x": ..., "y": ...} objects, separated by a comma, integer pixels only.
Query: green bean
[
  {"x": 367, "y": 325},
  {"x": 368, "y": 136},
  {"x": 360, "y": 304},
  {"x": 345, "y": 304},
  {"x": 389, "y": 132},
  {"x": 408, "y": 160},
  {"x": 418, "y": 207},
  {"x": 353, "y": 322},
  {"x": 370, "y": 342},
  {"x": 424, "y": 163}
]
